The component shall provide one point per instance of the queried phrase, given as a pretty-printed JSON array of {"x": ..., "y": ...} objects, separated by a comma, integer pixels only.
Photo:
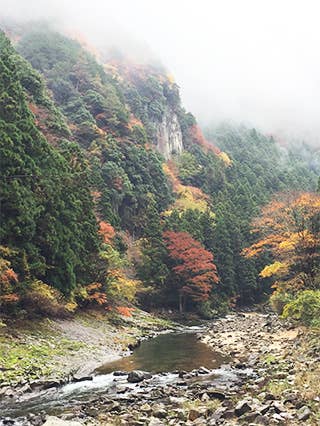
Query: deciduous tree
[{"x": 193, "y": 266}]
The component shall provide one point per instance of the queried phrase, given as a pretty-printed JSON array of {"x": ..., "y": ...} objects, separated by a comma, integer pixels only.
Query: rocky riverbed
[
  {"x": 272, "y": 380},
  {"x": 40, "y": 354}
]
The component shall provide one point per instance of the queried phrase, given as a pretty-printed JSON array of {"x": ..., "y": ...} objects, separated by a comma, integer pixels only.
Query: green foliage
[
  {"x": 86, "y": 95},
  {"x": 279, "y": 299},
  {"x": 189, "y": 168},
  {"x": 259, "y": 168},
  {"x": 129, "y": 178},
  {"x": 46, "y": 216},
  {"x": 305, "y": 308}
]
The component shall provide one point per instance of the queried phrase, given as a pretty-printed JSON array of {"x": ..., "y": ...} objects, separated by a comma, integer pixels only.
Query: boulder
[
  {"x": 120, "y": 373},
  {"x": 304, "y": 413},
  {"x": 137, "y": 376},
  {"x": 241, "y": 408}
]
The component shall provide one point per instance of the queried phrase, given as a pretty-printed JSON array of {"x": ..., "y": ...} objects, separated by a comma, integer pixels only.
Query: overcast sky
[{"x": 256, "y": 61}]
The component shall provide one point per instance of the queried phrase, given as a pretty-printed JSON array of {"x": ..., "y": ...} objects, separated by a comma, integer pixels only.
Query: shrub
[
  {"x": 42, "y": 299},
  {"x": 305, "y": 308},
  {"x": 279, "y": 299}
]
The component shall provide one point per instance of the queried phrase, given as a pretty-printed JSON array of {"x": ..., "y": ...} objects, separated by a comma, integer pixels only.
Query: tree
[
  {"x": 290, "y": 230},
  {"x": 193, "y": 266}
]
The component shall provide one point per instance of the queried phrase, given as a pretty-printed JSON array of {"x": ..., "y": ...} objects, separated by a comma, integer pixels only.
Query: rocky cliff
[{"x": 169, "y": 135}]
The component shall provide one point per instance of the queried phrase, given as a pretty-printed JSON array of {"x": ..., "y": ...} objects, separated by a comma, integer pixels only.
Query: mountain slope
[{"x": 90, "y": 196}]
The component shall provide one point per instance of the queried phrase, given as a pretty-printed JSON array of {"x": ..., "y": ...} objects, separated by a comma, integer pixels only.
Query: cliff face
[{"x": 169, "y": 135}]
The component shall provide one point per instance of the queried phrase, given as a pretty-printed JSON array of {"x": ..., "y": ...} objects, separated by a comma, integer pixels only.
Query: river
[{"x": 163, "y": 356}]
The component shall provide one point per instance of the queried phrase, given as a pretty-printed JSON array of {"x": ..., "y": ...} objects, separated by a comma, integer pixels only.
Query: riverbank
[
  {"x": 283, "y": 386},
  {"x": 271, "y": 378},
  {"x": 35, "y": 353}
]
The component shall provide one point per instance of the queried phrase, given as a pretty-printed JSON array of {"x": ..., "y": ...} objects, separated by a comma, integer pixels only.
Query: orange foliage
[
  {"x": 8, "y": 278},
  {"x": 194, "y": 264},
  {"x": 125, "y": 311},
  {"x": 134, "y": 121},
  {"x": 94, "y": 293},
  {"x": 189, "y": 197},
  {"x": 199, "y": 139},
  {"x": 288, "y": 229},
  {"x": 107, "y": 232},
  {"x": 96, "y": 195}
]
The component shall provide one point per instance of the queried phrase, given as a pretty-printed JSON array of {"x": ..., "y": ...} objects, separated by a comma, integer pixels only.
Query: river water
[{"x": 162, "y": 356}]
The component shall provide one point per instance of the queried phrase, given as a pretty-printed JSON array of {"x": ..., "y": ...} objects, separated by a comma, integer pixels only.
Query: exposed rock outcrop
[{"x": 169, "y": 135}]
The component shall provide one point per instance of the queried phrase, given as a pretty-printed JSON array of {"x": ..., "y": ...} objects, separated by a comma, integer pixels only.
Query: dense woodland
[{"x": 93, "y": 215}]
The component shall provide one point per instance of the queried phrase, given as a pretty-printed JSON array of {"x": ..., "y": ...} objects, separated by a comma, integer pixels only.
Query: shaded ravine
[{"x": 163, "y": 356}]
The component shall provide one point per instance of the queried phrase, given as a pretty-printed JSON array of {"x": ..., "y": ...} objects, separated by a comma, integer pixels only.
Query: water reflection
[{"x": 167, "y": 352}]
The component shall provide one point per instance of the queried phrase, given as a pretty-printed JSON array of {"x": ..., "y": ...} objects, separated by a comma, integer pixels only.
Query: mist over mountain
[{"x": 253, "y": 63}]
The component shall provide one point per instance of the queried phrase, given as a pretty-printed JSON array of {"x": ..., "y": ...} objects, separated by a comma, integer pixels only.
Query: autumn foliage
[
  {"x": 96, "y": 294},
  {"x": 188, "y": 197},
  {"x": 8, "y": 279},
  {"x": 107, "y": 232},
  {"x": 289, "y": 228},
  {"x": 193, "y": 267},
  {"x": 124, "y": 311}
]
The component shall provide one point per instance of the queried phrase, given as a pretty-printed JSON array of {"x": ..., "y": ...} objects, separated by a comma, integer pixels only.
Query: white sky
[{"x": 248, "y": 60}]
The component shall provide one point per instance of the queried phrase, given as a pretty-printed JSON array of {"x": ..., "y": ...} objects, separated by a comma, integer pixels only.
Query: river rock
[
  {"x": 182, "y": 373},
  {"x": 160, "y": 413},
  {"x": 180, "y": 414},
  {"x": 146, "y": 408},
  {"x": 25, "y": 388},
  {"x": 177, "y": 401},
  {"x": 120, "y": 373},
  {"x": 137, "y": 376},
  {"x": 7, "y": 421},
  {"x": 241, "y": 408},
  {"x": 78, "y": 377},
  {"x": 203, "y": 370},
  {"x": 304, "y": 413},
  {"x": 216, "y": 394},
  {"x": 155, "y": 422},
  {"x": 262, "y": 420},
  {"x": 194, "y": 414},
  {"x": 46, "y": 384},
  {"x": 55, "y": 421},
  {"x": 135, "y": 345}
]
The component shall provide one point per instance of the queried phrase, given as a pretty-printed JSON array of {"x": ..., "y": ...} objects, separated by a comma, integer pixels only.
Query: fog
[{"x": 249, "y": 61}]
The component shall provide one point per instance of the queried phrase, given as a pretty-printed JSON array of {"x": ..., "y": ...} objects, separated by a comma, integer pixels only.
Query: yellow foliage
[
  {"x": 188, "y": 197},
  {"x": 273, "y": 269},
  {"x": 288, "y": 230},
  {"x": 170, "y": 78},
  {"x": 122, "y": 287},
  {"x": 225, "y": 158}
]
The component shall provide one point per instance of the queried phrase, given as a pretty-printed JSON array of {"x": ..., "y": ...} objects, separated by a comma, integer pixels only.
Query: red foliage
[
  {"x": 8, "y": 276},
  {"x": 199, "y": 139},
  {"x": 107, "y": 232},
  {"x": 194, "y": 264}
]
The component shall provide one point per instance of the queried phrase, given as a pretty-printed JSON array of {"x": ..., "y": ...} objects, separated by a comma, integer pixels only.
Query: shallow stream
[{"x": 163, "y": 356}]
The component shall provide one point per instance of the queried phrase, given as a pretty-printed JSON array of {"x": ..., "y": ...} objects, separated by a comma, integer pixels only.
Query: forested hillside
[{"x": 112, "y": 196}]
